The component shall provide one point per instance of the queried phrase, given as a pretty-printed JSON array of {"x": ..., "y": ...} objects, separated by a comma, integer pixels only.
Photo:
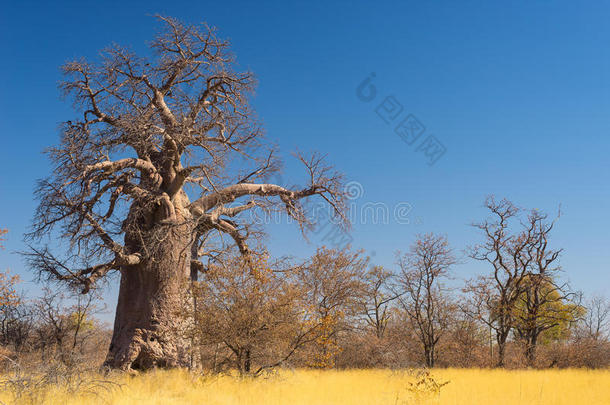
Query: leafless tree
[
  {"x": 422, "y": 295},
  {"x": 544, "y": 302},
  {"x": 16, "y": 324},
  {"x": 493, "y": 298},
  {"x": 144, "y": 182},
  {"x": 596, "y": 320},
  {"x": 64, "y": 324},
  {"x": 466, "y": 342},
  {"x": 377, "y": 296},
  {"x": 15, "y": 317}
]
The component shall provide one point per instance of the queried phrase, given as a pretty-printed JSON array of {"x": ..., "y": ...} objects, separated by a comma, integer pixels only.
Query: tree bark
[
  {"x": 150, "y": 316},
  {"x": 247, "y": 362},
  {"x": 429, "y": 354},
  {"x": 530, "y": 350},
  {"x": 501, "y": 352}
]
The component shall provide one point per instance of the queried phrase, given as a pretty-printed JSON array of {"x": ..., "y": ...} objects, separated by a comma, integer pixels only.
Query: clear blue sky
[{"x": 519, "y": 94}]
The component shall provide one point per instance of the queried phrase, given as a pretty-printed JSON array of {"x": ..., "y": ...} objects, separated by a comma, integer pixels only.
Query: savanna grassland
[
  {"x": 163, "y": 176},
  {"x": 311, "y": 387}
]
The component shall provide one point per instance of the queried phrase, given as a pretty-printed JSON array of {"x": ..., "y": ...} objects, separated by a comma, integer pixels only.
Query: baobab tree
[{"x": 163, "y": 164}]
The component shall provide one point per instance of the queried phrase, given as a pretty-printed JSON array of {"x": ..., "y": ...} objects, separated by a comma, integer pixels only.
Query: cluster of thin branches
[{"x": 165, "y": 143}]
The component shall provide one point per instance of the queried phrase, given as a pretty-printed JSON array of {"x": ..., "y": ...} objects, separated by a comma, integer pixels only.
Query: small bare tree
[
  {"x": 8, "y": 293},
  {"x": 165, "y": 159},
  {"x": 16, "y": 324},
  {"x": 64, "y": 324},
  {"x": 596, "y": 321},
  {"x": 14, "y": 316},
  {"x": 421, "y": 293},
  {"x": 377, "y": 296},
  {"x": 493, "y": 298},
  {"x": 466, "y": 343}
]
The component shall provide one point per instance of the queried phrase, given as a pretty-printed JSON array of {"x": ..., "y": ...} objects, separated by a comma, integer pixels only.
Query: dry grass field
[{"x": 307, "y": 387}]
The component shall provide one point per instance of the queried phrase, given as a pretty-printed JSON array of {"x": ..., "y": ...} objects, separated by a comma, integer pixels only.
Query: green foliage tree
[{"x": 544, "y": 313}]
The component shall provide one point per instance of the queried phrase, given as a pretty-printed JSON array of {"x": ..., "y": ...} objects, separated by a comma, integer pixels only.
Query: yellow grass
[{"x": 308, "y": 387}]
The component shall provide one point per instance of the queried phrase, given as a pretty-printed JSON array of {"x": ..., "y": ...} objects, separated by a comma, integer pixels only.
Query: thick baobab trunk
[{"x": 150, "y": 322}]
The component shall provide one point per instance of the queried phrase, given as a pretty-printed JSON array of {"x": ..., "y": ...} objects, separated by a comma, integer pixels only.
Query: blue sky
[{"x": 517, "y": 93}]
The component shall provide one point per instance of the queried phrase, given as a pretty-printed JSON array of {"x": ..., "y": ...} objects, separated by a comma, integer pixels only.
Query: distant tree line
[
  {"x": 336, "y": 309},
  {"x": 339, "y": 310},
  {"x": 164, "y": 164},
  {"x": 56, "y": 327}
]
